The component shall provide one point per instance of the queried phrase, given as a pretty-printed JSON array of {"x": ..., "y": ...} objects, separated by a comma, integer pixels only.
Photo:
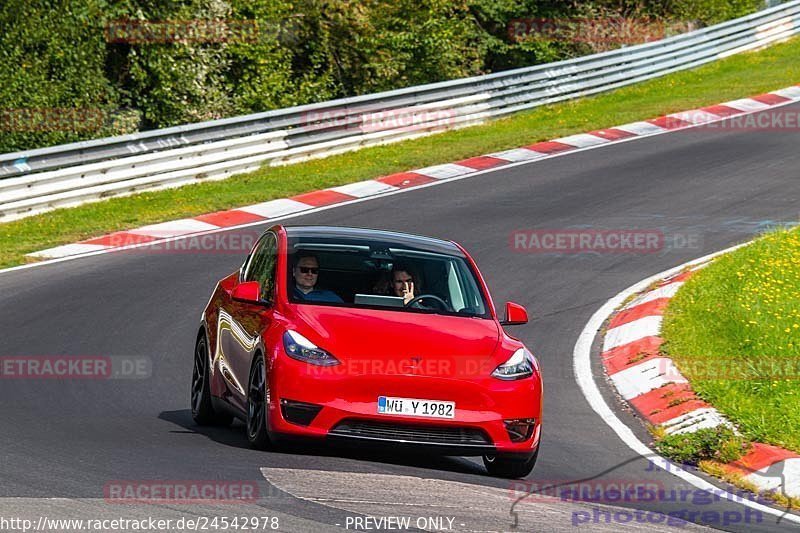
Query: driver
[
  {"x": 405, "y": 284},
  {"x": 402, "y": 282}
]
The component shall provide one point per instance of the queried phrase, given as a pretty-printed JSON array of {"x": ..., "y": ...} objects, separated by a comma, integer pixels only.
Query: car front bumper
[{"x": 346, "y": 409}]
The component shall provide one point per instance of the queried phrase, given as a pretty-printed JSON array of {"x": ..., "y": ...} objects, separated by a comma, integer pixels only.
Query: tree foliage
[
  {"x": 58, "y": 55},
  {"x": 53, "y": 61}
]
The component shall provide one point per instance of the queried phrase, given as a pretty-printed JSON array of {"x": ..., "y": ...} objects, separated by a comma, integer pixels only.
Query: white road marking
[
  {"x": 704, "y": 418},
  {"x": 641, "y": 128},
  {"x": 68, "y": 250},
  {"x": 644, "y": 377},
  {"x": 518, "y": 154},
  {"x": 440, "y": 172},
  {"x": 789, "y": 92},
  {"x": 275, "y": 208},
  {"x": 697, "y": 116},
  {"x": 747, "y": 104},
  {"x": 362, "y": 189},
  {"x": 582, "y": 140},
  {"x": 783, "y": 476},
  {"x": 667, "y": 291},
  {"x": 174, "y": 228},
  {"x": 648, "y": 326}
]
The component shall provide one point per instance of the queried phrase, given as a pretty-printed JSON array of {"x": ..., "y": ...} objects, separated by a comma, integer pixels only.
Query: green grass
[
  {"x": 776, "y": 67},
  {"x": 734, "y": 331}
]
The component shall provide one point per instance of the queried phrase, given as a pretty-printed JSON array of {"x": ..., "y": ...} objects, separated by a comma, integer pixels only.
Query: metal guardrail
[{"x": 60, "y": 176}]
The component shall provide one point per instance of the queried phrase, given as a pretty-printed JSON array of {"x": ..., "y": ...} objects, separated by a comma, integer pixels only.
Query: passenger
[
  {"x": 400, "y": 283},
  {"x": 306, "y": 273}
]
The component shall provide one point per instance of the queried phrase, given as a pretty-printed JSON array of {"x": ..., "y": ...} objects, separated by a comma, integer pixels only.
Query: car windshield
[{"x": 382, "y": 275}]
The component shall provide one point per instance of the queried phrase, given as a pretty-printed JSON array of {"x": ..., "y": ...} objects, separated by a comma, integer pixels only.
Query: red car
[{"x": 359, "y": 335}]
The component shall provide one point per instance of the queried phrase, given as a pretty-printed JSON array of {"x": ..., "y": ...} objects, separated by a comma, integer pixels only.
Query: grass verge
[
  {"x": 717, "y": 444},
  {"x": 732, "y": 78},
  {"x": 740, "y": 319},
  {"x": 734, "y": 331}
]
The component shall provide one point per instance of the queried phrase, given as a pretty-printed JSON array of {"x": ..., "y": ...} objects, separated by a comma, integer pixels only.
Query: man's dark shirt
[{"x": 317, "y": 295}]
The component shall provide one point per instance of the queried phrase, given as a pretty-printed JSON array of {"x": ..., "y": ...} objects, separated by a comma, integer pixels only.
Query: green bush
[
  {"x": 718, "y": 444},
  {"x": 173, "y": 82},
  {"x": 710, "y": 12},
  {"x": 53, "y": 87}
]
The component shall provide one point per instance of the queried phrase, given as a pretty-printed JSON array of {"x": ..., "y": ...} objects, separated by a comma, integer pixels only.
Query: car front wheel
[{"x": 257, "y": 402}]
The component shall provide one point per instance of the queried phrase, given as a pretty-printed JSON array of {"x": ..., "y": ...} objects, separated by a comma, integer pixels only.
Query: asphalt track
[{"x": 62, "y": 441}]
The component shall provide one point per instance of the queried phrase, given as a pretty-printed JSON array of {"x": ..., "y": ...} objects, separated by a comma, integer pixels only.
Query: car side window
[{"x": 261, "y": 267}]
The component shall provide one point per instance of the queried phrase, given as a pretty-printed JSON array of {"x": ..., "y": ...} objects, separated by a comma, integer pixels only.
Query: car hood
[{"x": 401, "y": 341}]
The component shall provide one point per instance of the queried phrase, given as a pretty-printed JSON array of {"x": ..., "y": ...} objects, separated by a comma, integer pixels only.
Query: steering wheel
[{"x": 441, "y": 304}]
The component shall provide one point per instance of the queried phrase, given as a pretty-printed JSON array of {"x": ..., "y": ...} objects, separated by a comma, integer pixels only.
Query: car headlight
[
  {"x": 518, "y": 366},
  {"x": 302, "y": 349}
]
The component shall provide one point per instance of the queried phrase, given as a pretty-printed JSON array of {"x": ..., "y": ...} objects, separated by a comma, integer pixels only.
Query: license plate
[{"x": 388, "y": 405}]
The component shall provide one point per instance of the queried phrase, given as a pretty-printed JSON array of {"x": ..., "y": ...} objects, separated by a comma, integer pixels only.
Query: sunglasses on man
[{"x": 309, "y": 270}]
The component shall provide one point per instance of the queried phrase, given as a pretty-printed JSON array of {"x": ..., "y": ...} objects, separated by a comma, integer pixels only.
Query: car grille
[{"x": 451, "y": 435}]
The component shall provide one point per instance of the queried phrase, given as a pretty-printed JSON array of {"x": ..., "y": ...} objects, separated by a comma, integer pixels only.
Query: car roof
[{"x": 384, "y": 237}]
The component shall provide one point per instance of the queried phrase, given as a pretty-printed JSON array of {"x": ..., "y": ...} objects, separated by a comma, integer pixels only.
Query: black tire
[
  {"x": 510, "y": 467},
  {"x": 257, "y": 398},
  {"x": 202, "y": 411}
]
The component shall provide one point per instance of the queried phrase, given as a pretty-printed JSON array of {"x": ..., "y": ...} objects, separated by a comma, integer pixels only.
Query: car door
[{"x": 240, "y": 331}]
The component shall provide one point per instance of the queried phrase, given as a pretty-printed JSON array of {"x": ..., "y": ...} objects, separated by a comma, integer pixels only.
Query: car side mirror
[
  {"x": 248, "y": 291},
  {"x": 515, "y": 315}
]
